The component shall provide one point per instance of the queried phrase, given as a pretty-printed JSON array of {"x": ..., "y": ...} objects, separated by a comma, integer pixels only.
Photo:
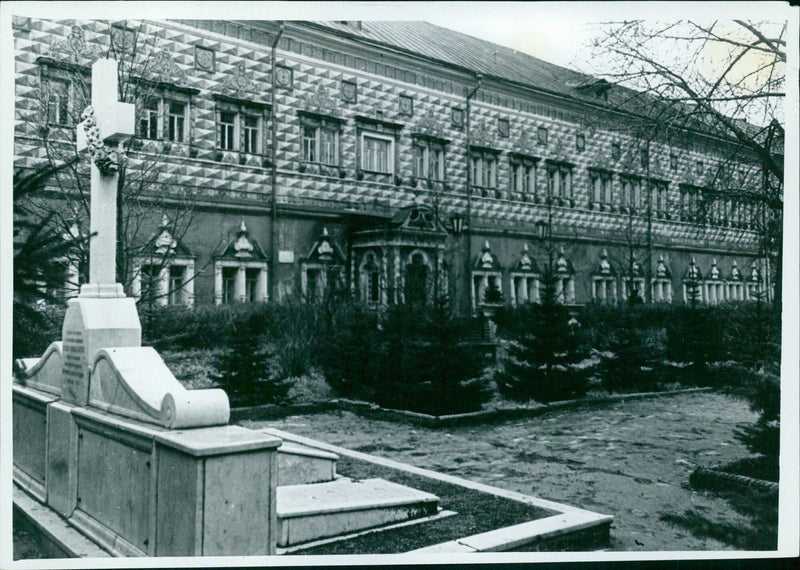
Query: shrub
[
  {"x": 349, "y": 351},
  {"x": 633, "y": 355},
  {"x": 753, "y": 333},
  {"x": 542, "y": 361},
  {"x": 294, "y": 330},
  {"x": 291, "y": 328},
  {"x": 413, "y": 358},
  {"x": 442, "y": 374},
  {"x": 35, "y": 328},
  {"x": 697, "y": 335},
  {"x": 248, "y": 371},
  {"x": 764, "y": 395},
  {"x": 600, "y": 321}
]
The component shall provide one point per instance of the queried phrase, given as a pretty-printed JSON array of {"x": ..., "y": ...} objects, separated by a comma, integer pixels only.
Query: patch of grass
[
  {"x": 761, "y": 510},
  {"x": 477, "y": 512},
  {"x": 195, "y": 369},
  {"x": 27, "y": 541}
]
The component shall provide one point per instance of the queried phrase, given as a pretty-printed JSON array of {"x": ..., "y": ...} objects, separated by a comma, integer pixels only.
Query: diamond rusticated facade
[{"x": 369, "y": 142}]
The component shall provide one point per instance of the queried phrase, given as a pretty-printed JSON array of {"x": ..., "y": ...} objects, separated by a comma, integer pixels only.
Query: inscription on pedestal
[{"x": 74, "y": 370}]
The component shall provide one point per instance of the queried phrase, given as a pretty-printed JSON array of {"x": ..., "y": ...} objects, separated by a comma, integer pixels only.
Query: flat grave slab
[
  {"x": 321, "y": 510},
  {"x": 344, "y": 495}
]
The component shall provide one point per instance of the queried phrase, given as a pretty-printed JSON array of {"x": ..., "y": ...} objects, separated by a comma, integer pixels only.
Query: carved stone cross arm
[{"x": 107, "y": 121}]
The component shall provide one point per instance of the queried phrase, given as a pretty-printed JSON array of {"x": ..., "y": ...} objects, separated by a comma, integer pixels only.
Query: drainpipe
[
  {"x": 479, "y": 79},
  {"x": 273, "y": 246}
]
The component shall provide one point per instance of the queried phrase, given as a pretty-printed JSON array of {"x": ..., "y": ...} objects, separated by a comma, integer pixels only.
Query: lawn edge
[
  {"x": 567, "y": 520},
  {"x": 273, "y": 411}
]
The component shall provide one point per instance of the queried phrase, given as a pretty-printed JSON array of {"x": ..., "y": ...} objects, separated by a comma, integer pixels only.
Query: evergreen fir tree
[
  {"x": 633, "y": 356},
  {"x": 248, "y": 371},
  {"x": 350, "y": 349},
  {"x": 453, "y": 369},
  {"x": 541, "y": 362}
]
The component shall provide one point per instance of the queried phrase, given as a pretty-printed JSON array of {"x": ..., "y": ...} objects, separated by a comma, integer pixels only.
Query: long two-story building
[{"x": 275, "y": 161}]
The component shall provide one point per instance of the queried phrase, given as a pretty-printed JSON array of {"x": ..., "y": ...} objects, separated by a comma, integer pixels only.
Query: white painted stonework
[
  {"x": 89, "y": 325},
  {"x": 135, "y": 382}
]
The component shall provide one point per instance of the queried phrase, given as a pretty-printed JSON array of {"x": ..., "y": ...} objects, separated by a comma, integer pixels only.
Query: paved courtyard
[{"x": 629, "y": 459}]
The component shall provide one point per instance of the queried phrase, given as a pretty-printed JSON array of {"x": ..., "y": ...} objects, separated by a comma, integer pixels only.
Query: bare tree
[
  {"x": 725, "y": 79},
  {"x": 141, "y": 197}
]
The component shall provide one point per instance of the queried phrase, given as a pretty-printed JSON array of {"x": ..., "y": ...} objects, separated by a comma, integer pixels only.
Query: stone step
[
  {"x": 343, "y": 506},
  {"x": 300, "y": 465}
]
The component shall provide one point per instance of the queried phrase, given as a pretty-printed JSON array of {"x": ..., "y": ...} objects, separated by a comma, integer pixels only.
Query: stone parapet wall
[{"x": 141, "y": 490}]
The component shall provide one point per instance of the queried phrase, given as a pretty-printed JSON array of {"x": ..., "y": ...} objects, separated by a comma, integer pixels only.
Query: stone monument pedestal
[{"x": 102, "y": 316}]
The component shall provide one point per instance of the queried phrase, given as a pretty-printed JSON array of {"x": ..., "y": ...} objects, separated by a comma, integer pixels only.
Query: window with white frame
[
  {"x": 601, "y": 187},
  {"x": 239, "y": 281},
  {"x": 693, "y": 284},
  {"x": 56, "y": 96},
  {"x": 661, "y": 290},
  {"x": 736, "y": 291},
  {"x": 427, "y": 160},
  {"x": 484, "y": 169},
  {"x": 525, "y": 279},
  {"x": 229, "y": 285},
  {"x": 715, "y": 291},
  {"x": 604, "y": 281},
  {"x": 524, "y": 288},
  {"x": 176, "y": 121},
  {"x": 321, "y": 144},
  {"x": 661, "y": 284},
  {"x": 565, "y": 289},
  {"x": 483, "y": 281},
  {"x": 240, "y": 127},
  {"x": 163, "y": 117},
  {"x": 633, "y": 284},
  {"x": 631, "y": 192},
  {"x": 735, "y": 284},
  {"x": 754, "y": 291},
  {"x": 559, "y": 181},
  {"x": 523, "y": 178},
  {"x": 660, "y": 206},
  {"x": 318, "y": 280},
  {"x": 604, "y": 289},
  {"x": 251, "y": 275},
  {"x": 694, "y": 204},
  {"x": 164, "y": 281},
  {"x": 177, "y": 277},
  {"x": 251, "y": 127},
  {"x": 564, "y": 274},
  {"x": 633, "y": 287},
  {"x": 377, "y": 153},
  {"x": 150, "y": 288},
  {"x": 226, "y": 130},
  {"x": 240, "y": 270},
  {"x": 148, "y": 119},
  {"x": 692, "y": 291}
]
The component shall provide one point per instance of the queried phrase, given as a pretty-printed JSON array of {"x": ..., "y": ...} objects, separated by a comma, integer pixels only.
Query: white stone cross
[{"x": 115, "y": 123}]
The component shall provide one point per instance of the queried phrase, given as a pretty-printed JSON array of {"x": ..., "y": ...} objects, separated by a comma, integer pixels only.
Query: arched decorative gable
[{"x": 240, "y": 270}]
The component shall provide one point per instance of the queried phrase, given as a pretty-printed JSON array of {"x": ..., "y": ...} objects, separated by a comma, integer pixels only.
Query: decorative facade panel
[{"x": 530, "y": 159}]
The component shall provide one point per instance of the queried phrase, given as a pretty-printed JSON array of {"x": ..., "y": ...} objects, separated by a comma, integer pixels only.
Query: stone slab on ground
[
  {"x": 300, "y": 464},
  {"x": 311, "y": 512}
]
